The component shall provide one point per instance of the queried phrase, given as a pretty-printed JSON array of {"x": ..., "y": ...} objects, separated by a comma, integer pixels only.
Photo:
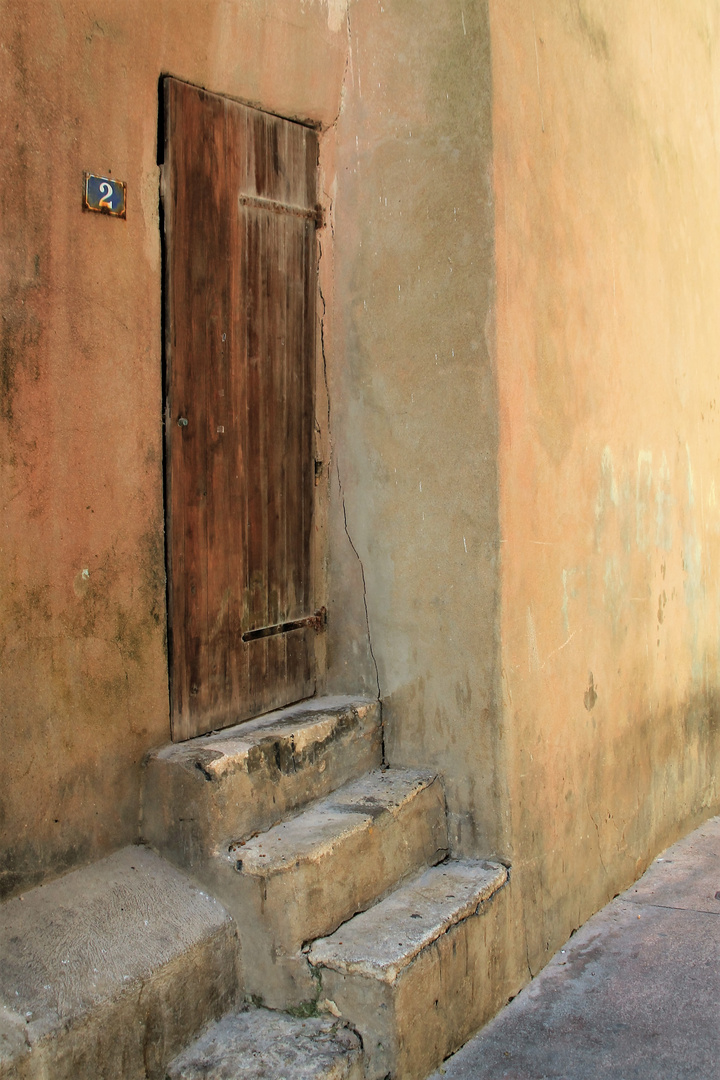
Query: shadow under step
[
  {"x": 201, "y": 794},
  {"x": 110, "y": 970},
  {"x": 304, "y": 877},
  {"x": 409, "y": 974},
  {"x": 258, "y": 1044}
]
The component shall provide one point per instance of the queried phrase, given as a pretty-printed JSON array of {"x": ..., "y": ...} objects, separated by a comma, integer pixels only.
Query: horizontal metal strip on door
[
  {"x": 316, "y": 621},
  {"x": 255, "y": 202}
]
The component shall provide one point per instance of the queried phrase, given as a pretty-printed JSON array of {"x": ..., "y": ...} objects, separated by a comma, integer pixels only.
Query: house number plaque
[{"x": 104, "y": 195}]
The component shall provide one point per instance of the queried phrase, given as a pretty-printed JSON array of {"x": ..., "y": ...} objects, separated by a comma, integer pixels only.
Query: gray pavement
[{"x": 633, "y": 995}]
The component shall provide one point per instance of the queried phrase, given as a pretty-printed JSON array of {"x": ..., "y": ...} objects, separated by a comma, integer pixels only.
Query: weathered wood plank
[{"x": 240, "y": 346}]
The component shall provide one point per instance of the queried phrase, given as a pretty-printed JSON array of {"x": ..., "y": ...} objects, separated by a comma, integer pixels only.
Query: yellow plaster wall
[{"x": 607, "y": 240}]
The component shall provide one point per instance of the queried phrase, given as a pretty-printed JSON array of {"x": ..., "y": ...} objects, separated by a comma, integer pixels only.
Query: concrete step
[
  {"x": 303, "y": 878},
  {"x": 408, "y": 973},
  {"x": 260, "y": 1045},
  {"x": 200, "y": 795},
  {"x": 96, "y": 967}
]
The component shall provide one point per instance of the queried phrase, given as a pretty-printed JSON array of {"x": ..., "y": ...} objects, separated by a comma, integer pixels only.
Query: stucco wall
[
  {"x": 608, "y": 335},
  {"x": 524, "y": 411},
  {"x": 519, "y": 337},
  {"x": 413, "y": 397},
  {"x": 83, "y": 677}
]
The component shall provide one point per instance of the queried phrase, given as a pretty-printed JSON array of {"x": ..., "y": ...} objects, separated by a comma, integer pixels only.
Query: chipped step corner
[
  {"x": 235, "y": 782},
  {"x": 303, "y": 878},
  {"x": 413, "y": 974}
]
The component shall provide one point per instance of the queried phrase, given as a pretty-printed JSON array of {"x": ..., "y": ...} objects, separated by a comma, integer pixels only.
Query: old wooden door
[{"x": 239, "y": 195}]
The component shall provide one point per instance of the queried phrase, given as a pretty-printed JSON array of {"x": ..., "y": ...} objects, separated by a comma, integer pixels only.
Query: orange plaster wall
[
  {"x": 607, "y": 229},
  {"x": 83, "y": 673}
]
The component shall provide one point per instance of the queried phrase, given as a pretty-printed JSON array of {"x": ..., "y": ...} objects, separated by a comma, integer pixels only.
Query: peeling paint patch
[
  {"x": 663, "y": 503},
  {"x": 336, "y": 15},
  {"x": 81, "y": 584},
  {"x": 692, "y": 565},
  {"x": 608, "y": 487},
  {"x": 643, "y": 488},
  {"x": 694, "y": 596},
  {"x": 614, "y": 591}
]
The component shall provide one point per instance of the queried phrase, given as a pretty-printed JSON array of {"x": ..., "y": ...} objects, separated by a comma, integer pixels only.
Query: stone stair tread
[
  {"x": 258, "y": 1044},
  {"x": 320, "y": 827},
  {"x": 298, "y": 725},
  {"x": 385, "y": 939},
  {"x": 200, "y": 796},
  {"x": 303, "y": 878},
  {"x": 92, "y": 941},
  {"x": 81, "y": 938}
]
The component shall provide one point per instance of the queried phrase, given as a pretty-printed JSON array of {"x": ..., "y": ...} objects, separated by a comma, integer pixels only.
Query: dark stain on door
[{"x": 239, "y": 202}]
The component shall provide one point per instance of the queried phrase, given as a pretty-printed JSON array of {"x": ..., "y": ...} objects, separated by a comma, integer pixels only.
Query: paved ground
[{"x": 634, "y": 995}]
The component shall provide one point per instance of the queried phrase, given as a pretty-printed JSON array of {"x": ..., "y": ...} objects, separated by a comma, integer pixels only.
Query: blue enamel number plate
[{"x": 104, "y": 195}]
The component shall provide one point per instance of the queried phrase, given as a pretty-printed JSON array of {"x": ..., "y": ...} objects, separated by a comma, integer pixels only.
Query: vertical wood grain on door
[{"x": 239, "y": 208}]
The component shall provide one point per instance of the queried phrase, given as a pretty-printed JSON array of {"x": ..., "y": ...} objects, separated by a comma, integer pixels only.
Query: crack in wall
[
  {"x": 597, "y": 831},
  {"x": 340, "y": 487},
  {"x": 527, "y": 954},
  {"x": 322, "y": 334},
  {"x": 364, "y": 585},
  {"x": 348, "y": 72},
  {"x": 348, "y": 66}
]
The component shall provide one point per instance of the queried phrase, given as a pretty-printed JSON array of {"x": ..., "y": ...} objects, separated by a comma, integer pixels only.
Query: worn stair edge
[
  {"x": 226, "y": 786},
  {"x": 256, "y": 1044},
  {"x": 302, "y": 879},
  {"x": 357, "y": 807},
  {"x": 96, "y": 965},
  {"x": 415, "y": 996},
  {"x": 418, "y": 912}
]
